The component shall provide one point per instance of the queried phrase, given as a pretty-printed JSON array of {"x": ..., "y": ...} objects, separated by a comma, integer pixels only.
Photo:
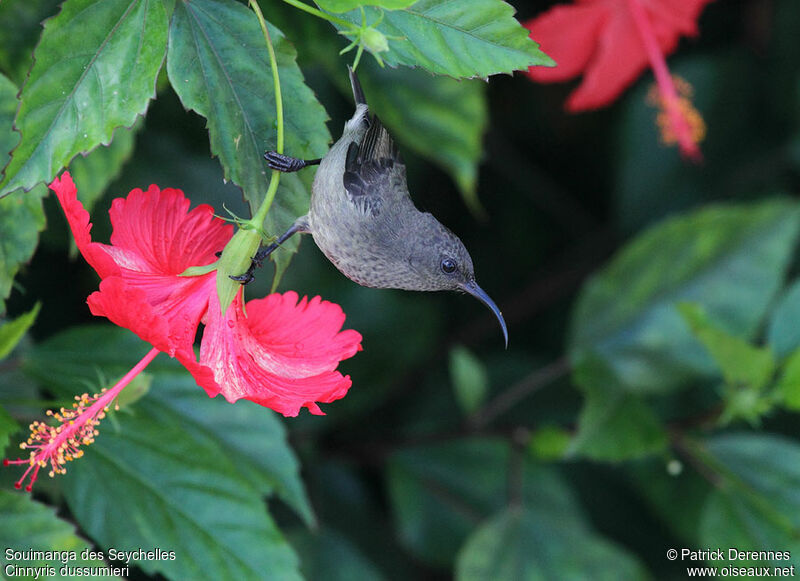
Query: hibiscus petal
[
  {"x": 154, "y": 231},
  {"x": 678, "y": 16},
  {"x": 619, "y": 59},
  {"x": 600, "y": 39},
  {"x": 129, "y": 304},
  {"x": 569, "y": 35},
  {"x": 127, "y": 307},
  {"x": 96, "y": 254},
  {"x": 303, "y": 338},
  {"x": 155, "y": 238},
  {"x": 282, "y": 355}
]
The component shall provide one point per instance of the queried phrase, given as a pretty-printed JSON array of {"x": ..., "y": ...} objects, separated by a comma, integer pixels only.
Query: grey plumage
[{"x": 362, "y": 218}]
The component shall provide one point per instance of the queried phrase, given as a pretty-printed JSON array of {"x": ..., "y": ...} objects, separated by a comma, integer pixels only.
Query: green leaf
[
  {"x": 12, "y": 332},
  {"x": 741, "y": 363},
  {"x": 756, "y": 506},
  {"x": 8, "y": 426},
  {"x": 626, "y": 316},
  {"x": 653, "y": 181},
  {"x": 789, "y": 383},
  {"x": 134, "y": 391},
  {"x": 783, "y": 332},
  {"x": 94, "y": 172},
  {"x": 292, "y": 201},
  {"x": 616, "y": 425},
  {"x": 21, "y": 220},
  {"x": 346, "y": 498},
  {"x": 18, "y": 41},
  {"x": 525, "y": 544},
  {"x": 330, "y": 556},
  {"x": 92, "y": 73},
  {"x": 253, "y": 437},
  {"x": 21, "y": 217},
  {"x": 8, "y": 109},
  {"x": 219, "y": 66},
  {"x": 87, "y": 359},
  {"x": 338, "y": 6},
  {"x": 440, "y": 493},
  {"x": 440, "y": 118},
  {"x": 675, "y": 494},
  {"x": 549, "y": 443},
  {"x": 198, "y": 504},
  {"x": 200, "y": 465},
  {"x": 27, "y": 525},
  {"x": 729, "y": 521},
  {"x": 471, "y": 38},
  {"x": 469, "y": 377}
]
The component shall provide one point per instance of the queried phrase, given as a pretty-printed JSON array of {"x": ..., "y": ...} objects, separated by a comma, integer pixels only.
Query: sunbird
[{"x": 363, "y": 220}]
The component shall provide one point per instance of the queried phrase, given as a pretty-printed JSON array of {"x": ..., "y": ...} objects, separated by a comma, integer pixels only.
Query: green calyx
[{"x": 235, "y": 260}]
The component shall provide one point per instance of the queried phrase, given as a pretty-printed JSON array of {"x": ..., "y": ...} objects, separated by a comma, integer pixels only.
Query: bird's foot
[
  {"x": 287, "y": 163},
  {"x": 245, "y": 278},
  {"x": 258, "y": 260}
]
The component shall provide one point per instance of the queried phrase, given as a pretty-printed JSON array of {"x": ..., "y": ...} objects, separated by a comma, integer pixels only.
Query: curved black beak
[{"x": 472, "y": 288}]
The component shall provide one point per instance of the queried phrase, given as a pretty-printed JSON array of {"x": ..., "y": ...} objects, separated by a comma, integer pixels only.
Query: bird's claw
[
  {"x": 248, "y": 276},
  {"x": 283, "y": 163},
  {"x": 244, "y": 278}
]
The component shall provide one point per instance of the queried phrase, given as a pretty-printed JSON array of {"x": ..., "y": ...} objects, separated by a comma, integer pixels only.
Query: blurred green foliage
[{"x": 648, "y": 397}]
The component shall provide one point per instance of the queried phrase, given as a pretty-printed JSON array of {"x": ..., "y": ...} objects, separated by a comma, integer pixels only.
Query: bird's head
[{"x": 440, "y": 261}]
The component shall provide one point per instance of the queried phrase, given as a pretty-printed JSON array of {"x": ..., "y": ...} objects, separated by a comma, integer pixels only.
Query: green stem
[
  {"x": 261, "y": 214},
  {"x": 319, "y": 13}
]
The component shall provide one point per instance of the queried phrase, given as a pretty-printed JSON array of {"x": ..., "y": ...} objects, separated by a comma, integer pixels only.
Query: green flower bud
[{"x": 374, "y": 40}]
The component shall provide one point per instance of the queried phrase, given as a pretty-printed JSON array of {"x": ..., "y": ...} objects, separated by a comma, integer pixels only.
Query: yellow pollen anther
[{"x": 677, "y": 117}]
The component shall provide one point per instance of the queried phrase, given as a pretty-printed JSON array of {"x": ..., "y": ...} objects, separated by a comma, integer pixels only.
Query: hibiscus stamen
[
  {"x": 678, "y": 120},
  {"x": 697, "y": 126},
  {"x": 56, "y": 445}
]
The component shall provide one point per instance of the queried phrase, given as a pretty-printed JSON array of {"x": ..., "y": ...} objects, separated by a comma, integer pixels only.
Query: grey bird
[{"x": 362, "y": 218}]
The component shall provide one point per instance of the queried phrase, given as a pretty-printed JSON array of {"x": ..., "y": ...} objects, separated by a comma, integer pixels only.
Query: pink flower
[
  {"x": 282, "y": 354},
  {"x": 611, "y": 42},
  {"x": 155, "y": 238},
  {"x": 277, "y": 352},
  {"x": 56, "y": 445}
]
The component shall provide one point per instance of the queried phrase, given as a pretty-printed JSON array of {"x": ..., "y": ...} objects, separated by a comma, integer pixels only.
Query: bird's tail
[{"x": 358, "y": 93}]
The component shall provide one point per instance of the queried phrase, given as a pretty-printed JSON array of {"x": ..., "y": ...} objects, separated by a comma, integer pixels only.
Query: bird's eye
[{"x": 448, "y": 265}]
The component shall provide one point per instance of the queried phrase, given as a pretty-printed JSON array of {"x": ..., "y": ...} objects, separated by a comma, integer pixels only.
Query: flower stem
[
  {"x": 318, "y": 13},
  {"x": 261, "y": 214}
]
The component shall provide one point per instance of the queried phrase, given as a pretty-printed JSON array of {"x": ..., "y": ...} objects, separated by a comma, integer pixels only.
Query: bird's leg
[
  {"x": 287, "y": 163},
  {"x": 264, "y": 251}
]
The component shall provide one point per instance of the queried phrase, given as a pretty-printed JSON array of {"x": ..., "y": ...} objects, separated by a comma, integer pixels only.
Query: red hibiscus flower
[
  {"x": 289, "y": 350},
  {"x": 153, "y": 241},
  {"x": 278, "y": 353},
  {"x": 611, "y": 42}
]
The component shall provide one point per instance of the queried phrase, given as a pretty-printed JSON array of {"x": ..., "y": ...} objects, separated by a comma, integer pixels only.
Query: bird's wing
[{"x": 374, "y": 172}]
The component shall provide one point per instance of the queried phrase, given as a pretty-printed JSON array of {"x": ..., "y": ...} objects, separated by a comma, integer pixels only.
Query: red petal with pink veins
[
  {"x": 157, "y": 234},
  {"x": 127, "y": 307},
  {"x": 568, "y": 34},
  {"x": 618, "y": 60},
  {"x": 599, "y": 39},
  {"x": 78, "y": 218},
  {"x": 155, "y": 238},
  {"x": 282, "y": 355}
]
